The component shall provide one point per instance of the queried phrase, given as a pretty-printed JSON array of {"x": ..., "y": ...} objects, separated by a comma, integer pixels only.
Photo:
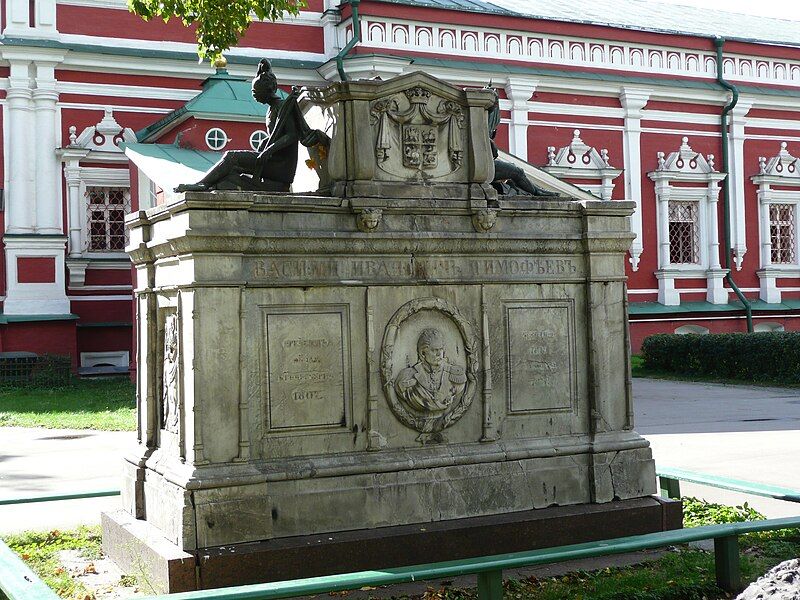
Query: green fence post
[
  {"x": 726, "y": 562},
  {"x": 490, "y": 585},
  {"x": 670, "y": 488}
]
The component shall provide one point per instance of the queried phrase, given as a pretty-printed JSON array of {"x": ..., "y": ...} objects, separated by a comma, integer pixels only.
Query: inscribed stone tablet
[
  {"x": 306, "y": 358},
  {"x": 541, "y": 345}
]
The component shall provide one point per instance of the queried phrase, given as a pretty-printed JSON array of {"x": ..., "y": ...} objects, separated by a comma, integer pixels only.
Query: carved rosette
[
  {"x": 169, "y": 386},
  {"x": 414, "y": 129},
  {"x": 423, "y": 398}
]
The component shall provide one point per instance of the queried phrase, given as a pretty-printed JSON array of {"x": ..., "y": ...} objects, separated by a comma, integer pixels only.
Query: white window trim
[
  {"x": 705, "y": 191},
  {"x": 222, "y": 147},
  {"x": 98, "y": 177},
  {"x": 581, "y": 161},
  {"x": 772, "y": 173},
  {"x": 252, "y": 135}
]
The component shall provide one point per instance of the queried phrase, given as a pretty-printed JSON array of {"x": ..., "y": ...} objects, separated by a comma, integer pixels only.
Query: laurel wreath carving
[{"x": 414, "y": 419}]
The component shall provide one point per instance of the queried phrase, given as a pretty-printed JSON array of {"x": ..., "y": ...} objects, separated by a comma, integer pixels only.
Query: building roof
[
  {"x": 636, "y": 14},
  {"x": 223, "y": 97}
]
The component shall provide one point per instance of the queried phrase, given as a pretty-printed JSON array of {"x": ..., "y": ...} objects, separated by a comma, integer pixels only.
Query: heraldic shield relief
[
  {"x": 429, "y": 365},
  {"x": 418, "y": 134}
]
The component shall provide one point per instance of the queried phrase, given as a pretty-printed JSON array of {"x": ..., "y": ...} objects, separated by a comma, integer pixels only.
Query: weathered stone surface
[
  {"x": 331, "y": 378},
  {"x": 139, "y": 549},
  {"x": 410, "y": 137},
  {"x": 781, "y": 582}
]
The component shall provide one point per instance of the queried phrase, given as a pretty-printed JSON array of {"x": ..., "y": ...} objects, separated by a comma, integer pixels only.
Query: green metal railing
[
  {"x": 18, "y": 582},
  {"x": 56, "y": 497},
  {"x": 670, "y": 478}
]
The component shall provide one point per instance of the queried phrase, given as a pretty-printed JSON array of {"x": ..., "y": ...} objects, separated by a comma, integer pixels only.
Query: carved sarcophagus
[
  {"x": 299, "y": 375},
  {"x": 320, "y": 364}
]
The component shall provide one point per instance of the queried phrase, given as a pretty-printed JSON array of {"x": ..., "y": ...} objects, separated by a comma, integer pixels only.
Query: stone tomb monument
[{"x": 406, "y": 368}]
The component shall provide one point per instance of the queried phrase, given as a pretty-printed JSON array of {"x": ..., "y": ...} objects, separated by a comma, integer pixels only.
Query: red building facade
[{"x": 625, "y": 108}]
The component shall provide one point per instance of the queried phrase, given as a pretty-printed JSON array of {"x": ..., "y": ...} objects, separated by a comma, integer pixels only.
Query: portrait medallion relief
[{"x": 429, "y": 365}]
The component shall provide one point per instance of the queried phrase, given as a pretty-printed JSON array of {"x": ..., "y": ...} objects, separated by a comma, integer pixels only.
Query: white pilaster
[
  {"x": 17, "y": 17},
  {"x": 519, "y": 92},
  {"x": 662, "y": 200},
  {"x": 330, "y": 23},
  {"x": 20, "y": 198},
  {"x": 633, "y": 101},
  {"x": 75, "y": 205},
  {"x": 715, "y": 276},
  {"x": 47, "y": 188},
  {"x": 737, "y": 177}
]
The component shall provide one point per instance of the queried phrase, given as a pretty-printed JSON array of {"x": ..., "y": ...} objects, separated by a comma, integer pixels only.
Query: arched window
[
  {"x": 767, "y": 327},
  {"x": 696, "y": 329}
]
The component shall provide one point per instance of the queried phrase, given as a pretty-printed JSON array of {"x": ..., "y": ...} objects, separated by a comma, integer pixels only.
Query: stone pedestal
[{"x": 299, "y": 376}]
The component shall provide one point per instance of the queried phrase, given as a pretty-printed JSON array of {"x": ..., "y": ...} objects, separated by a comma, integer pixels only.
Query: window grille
[
  {"x": 781, "y": 233},
  {"x": 107, "y": 207},
  {"x": 684, "y": 233}
]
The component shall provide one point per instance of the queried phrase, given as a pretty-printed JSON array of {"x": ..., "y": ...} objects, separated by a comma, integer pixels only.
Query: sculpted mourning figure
[
  {"x": 509, "y": 179},
  {"x": 272, "y": 167},
  {"x": 433, "y": 384}
]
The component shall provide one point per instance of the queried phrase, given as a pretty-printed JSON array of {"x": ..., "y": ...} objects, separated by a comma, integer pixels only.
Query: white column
[
  {"x": 48, "y": 190},
  {"x": 768, "y": 285},
  {"x": 763, "y": 226},
  {"x": 662, "y": 198},
  {"x": 737, "y": 175},
  {"x": 633, "y": 101},
  {"x": 519, "y": 92},
  {"x": 21, "y": 201},
  {"x": 76, "y": 211},
  {"x": 712, "y": 225},
  {"x": 715, "y": 276}
]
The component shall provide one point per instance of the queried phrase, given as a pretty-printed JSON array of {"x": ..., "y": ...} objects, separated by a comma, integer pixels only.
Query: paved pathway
[
  {"x": 736, "y": 431},
  {"x": 35, "y": 462},
  {"x": 743, "y": 432}
]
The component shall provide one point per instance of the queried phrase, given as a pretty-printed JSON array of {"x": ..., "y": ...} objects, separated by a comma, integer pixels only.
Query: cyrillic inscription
[
  {"x": 307, "y": 368},
  {"x": 401, "y": 268},
  {"x": 541, "y": 346}
]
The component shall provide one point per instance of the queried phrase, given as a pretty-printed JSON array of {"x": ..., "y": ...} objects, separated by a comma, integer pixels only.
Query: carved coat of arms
[{"x": 423, "y": 137}]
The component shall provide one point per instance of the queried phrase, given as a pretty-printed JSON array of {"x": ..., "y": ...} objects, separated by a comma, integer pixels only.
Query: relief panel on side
[
  {"x": 307, "y": 367},
  {"x": 541, "y": 356}
]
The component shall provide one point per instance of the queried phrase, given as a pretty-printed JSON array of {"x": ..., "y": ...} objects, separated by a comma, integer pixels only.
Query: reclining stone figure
[
  {"x": 272, "y": 167},
  {"x": 509, "y": 179}
]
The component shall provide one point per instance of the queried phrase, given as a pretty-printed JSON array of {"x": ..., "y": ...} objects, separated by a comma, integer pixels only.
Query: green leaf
[{"x": 220, "y": 24}]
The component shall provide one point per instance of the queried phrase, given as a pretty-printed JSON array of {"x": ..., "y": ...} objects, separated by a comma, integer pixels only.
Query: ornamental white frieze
[
  {"x": 418, "y": 134},
  {"x": 521, "y": 46},
  {"x": 429, "y": 365}
]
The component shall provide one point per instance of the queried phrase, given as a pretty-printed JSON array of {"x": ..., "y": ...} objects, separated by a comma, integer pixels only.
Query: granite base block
[{"x": 172, "y": 570}]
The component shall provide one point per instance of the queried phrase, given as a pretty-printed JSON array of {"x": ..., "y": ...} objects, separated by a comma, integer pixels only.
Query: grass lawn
[
  {"x": 683, "y": 573},
  {"x": 105, "y": 404},
  {"x": 39, "y": 550}
]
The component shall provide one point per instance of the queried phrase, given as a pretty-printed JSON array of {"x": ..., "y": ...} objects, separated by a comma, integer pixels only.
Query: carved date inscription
[
  {"x": 306, "y": 370},
  {"x": 541, "y": 346}
]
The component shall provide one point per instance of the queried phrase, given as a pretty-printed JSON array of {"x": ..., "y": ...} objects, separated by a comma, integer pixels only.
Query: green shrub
[
  {"x": 772, "y": 357},
  {"x": 698, "y": 512}
]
